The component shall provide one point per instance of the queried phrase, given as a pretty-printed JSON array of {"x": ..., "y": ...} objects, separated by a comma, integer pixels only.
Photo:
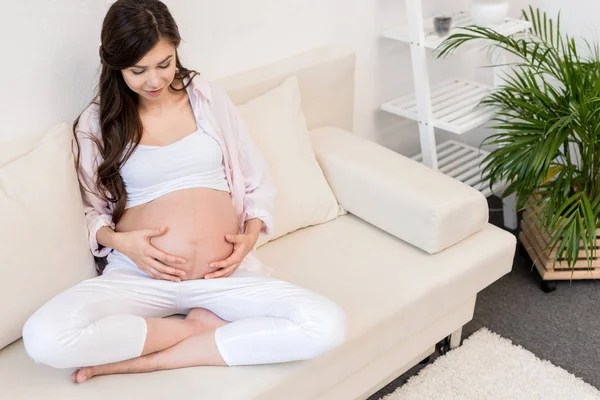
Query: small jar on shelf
[{"x": 442, "y": 24}]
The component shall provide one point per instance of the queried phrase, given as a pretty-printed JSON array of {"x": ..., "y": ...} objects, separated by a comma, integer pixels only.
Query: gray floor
[{"x": 562, "y": 327}]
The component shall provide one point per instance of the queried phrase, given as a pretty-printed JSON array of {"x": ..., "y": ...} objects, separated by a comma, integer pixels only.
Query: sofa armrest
[{"x": 403, "y": 197}]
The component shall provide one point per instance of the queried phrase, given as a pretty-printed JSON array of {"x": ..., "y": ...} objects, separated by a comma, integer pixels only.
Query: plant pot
[
  {"x": 488, "y": 13},
  {"x": 535, "y": 239}
]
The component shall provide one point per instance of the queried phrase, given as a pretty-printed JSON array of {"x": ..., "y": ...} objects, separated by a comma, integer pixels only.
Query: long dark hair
[{"x": 131, "y": 28}]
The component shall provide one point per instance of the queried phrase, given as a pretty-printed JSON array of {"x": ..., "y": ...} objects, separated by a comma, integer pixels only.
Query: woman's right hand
[{"x": 136, "y": 245}]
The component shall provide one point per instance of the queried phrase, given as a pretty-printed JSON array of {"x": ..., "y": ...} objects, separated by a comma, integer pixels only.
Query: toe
[{"x": 82, "y": 375}]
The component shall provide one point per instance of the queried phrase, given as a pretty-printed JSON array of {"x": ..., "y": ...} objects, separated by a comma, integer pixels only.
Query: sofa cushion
[
  {"x": 276, "y": 123},
  {"x": 418, "y": 204},
  {"x": 42, "y": 234},
  {"x": 391, "y": 291}
]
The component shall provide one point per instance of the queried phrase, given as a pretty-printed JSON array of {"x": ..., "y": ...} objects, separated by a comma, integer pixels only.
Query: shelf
[
  {"x": 454, "y": 104},
  {"x": 459, "y": 20},
  {"x": 462, "y": 162}
]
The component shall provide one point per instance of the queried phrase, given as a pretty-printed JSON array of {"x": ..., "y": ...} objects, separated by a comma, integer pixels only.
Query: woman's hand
[
  {"x": 242, "y": 244},
  {"x": 136, "y": 245}
]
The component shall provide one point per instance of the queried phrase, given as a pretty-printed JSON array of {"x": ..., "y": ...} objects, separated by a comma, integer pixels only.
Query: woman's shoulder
[{"x": 207, "y": 87}]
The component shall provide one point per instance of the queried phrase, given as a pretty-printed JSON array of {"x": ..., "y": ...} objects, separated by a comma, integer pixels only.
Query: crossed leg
[
  {"x": 202, "y": 324},
  {"x": 108, "y": 319},
  {"x": 271, "y": 321}
]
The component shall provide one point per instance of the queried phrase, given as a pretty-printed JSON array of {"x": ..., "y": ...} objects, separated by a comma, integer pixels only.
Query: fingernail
[{"x": 177, "y": 280}]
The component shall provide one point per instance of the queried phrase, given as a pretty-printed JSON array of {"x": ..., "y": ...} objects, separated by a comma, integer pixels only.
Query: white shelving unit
[
  {"x": 452, "y": 105},
  {"x": 460, "y": 19},
  {"x": 461, "y": 162}
]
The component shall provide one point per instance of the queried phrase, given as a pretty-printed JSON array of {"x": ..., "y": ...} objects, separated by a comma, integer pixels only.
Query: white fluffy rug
[{"x": 488, "y": 366}]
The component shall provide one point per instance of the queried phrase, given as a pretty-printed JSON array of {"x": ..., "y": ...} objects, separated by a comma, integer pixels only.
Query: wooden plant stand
[{"x": 534, "y": 239}]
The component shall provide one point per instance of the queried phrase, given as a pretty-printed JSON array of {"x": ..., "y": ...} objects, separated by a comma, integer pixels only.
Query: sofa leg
[
  {"x": 449, "y": 342},
  {"x": 455, "y": 338},
  {"x": 443, "y": 346}
]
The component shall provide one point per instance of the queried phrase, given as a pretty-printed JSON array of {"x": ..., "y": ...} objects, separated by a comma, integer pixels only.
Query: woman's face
[{"x": 151, "y": 76}]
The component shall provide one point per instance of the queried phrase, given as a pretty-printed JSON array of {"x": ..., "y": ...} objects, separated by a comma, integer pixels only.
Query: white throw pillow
[
  {"x": 43, "y": 237},
  {"x": 276, "y": 123}
]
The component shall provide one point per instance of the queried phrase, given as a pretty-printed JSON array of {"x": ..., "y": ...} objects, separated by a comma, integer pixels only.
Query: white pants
[{"x": 101, "y": 320}]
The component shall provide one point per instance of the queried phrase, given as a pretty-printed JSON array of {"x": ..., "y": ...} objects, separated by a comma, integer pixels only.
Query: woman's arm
[
  {"x": 260, "y": 193},
  {"x": 98, "y": 212},
  {"x": 252, "y": 228},
  {"x": 108, "y": 238}
]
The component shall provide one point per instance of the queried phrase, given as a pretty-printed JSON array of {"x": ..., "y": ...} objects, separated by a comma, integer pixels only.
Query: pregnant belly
[{"x": 197, "y": 221}]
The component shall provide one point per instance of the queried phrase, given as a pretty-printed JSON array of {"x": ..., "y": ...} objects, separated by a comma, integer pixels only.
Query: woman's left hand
[{"x": 242, "y": 244}]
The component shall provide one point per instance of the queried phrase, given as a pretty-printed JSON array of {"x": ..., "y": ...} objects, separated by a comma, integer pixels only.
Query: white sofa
[{"x": 406, "y": 262}]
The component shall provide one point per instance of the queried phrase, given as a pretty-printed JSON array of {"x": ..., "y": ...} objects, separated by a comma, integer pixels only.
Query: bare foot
[
  {"x": 82, "y": 374},
  {"x": 200, "y": 319},
  {"x": 204, "y": 320},
  {"x": 147, "y": 363}
]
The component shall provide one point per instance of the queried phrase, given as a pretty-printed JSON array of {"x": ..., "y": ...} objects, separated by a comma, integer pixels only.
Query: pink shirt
[{"x": 246, "y": 169}]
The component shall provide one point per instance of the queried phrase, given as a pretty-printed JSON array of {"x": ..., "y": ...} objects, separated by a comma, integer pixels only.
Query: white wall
[
  {"x": 50, "y": 57},
  {"x": 52, "y": 46},
  {"x": 579, "y": 18}
]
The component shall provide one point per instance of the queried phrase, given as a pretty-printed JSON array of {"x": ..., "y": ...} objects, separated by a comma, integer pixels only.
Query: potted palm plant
[{"x": 547, "y": 142}]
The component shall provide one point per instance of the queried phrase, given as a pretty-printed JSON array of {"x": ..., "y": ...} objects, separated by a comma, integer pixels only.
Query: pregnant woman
[{"x": 175, "y": 196}]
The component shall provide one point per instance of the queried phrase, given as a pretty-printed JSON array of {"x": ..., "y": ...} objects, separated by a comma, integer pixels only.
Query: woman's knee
[
  {"x": 327, "y": 327},
  {"x": 45, "y": 341},
  {"x": 336, "y": 326}
]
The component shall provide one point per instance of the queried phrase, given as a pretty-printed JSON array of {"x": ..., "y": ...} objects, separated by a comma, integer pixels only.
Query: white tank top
[{"x": 194, "y": 161}]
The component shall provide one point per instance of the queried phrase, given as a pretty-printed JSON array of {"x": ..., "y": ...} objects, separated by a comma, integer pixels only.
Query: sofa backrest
[
  {"x": 326, "y": 80},
  {"x": 43, "y": 237}
]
